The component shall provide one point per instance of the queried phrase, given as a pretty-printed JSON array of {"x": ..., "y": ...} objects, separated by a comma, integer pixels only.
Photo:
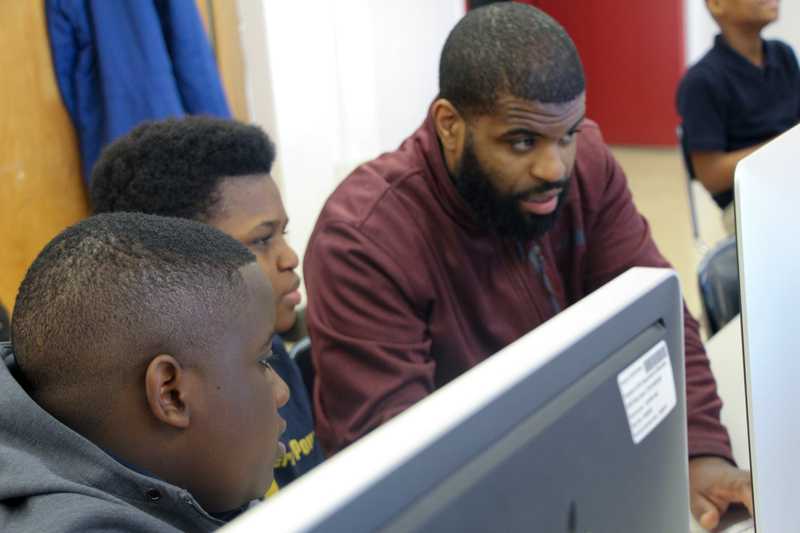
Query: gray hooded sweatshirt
[{"x": 54, "y": 480}]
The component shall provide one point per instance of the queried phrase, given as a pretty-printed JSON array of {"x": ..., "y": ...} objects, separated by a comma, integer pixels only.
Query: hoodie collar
[
  {"x": 42, "y": 443},
  {"x": 9, "y": 359}
]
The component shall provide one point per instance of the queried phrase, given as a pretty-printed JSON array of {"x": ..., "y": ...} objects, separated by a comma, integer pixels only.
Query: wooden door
[
  {"x": 41, "y": 189},
  {"x": 221, "y": 19}
]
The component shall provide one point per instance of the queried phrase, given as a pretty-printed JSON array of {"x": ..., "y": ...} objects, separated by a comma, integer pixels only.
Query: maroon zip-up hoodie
[{"x": 407, "y": 290}]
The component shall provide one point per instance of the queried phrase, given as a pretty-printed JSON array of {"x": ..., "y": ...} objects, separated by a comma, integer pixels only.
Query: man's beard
[{"x": 502, "y": 212}]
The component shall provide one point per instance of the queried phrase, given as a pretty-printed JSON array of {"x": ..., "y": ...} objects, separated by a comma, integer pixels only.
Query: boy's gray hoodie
[{"x": 52, "y": 479}]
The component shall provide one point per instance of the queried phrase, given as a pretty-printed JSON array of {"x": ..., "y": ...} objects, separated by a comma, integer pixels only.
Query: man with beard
[{"x": 501, "y": 210}]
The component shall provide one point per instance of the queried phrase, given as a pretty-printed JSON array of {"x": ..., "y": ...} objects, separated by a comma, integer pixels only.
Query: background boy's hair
[{"x": 173, "y": 167}]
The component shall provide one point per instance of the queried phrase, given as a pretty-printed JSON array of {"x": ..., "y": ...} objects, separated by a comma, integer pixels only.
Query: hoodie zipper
[
  {"x": 537, "y": 259},
  {"x": 522, "y": 265}
]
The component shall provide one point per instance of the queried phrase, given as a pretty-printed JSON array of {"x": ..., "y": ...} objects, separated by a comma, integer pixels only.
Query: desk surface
[
  {"x": 726, "y": 355},
  {"x": 727, "y": 362}
]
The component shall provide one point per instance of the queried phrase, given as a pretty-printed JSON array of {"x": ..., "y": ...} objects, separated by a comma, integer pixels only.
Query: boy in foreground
[{"x": 139, "y": 394}]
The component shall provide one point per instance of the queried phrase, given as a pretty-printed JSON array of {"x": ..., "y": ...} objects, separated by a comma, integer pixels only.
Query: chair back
[
  {"x": 687, "y": 161},
  {"x": 690, "y": 177},
  {"x": 718, "y": 278},
  {"x": 301, "y": 353},
  {"x": 5, "y": 326}
]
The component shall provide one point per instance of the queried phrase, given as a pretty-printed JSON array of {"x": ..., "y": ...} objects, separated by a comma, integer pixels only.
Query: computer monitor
[
  {"x": 767, "y": 188},
  {"x": 579, "y": 426}
]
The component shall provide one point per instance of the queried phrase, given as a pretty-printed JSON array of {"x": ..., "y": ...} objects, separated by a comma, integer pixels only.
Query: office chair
[
  {"x": 301, "y": 353},
  {"x": 718, "y": 279},
  {"x": 5, "y": 326},
  {"x": 690, "y": 177}
]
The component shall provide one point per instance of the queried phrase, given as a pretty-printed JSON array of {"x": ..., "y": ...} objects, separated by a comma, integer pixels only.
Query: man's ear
[
  {"x": 451, "y": 130},
  {"x": 166, "y": 387}
]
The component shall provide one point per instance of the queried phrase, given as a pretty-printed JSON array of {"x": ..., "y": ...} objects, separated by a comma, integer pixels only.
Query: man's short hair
[
  {"x": 508, "y": 48},
  {"x": 173, "y": 167},
  {"x": 110, "y": 293}
]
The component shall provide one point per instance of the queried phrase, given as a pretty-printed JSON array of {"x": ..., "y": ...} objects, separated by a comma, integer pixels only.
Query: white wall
[
  {"x": 336, "y": 84},
  {"x": 787, "y": 27},
  {"x": 701, "y": 28}
]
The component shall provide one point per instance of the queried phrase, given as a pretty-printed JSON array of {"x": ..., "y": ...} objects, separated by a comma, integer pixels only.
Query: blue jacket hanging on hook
[{"x": 119, "y": 63}]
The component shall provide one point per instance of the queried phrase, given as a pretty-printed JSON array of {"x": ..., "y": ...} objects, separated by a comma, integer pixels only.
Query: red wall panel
[{"x": 633, "y": 54}]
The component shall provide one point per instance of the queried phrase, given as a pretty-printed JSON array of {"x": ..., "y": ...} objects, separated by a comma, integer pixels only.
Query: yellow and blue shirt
[{"x": 302, "y": 450}]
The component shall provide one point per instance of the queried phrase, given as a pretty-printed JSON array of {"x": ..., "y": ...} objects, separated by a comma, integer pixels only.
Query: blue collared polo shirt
[{"x": 728, "y": 103}]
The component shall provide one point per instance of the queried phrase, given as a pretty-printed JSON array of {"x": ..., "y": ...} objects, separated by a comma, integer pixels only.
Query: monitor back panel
[
  {"x": 572, "y": 466},
  {"x": 535, "y": 438}
]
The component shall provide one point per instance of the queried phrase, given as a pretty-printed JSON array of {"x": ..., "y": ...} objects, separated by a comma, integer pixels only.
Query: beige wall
[{"x": 221, "y": 17}]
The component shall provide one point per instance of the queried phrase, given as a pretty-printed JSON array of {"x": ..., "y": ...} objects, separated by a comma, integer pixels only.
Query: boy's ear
[{"x": 166, "y": 387}]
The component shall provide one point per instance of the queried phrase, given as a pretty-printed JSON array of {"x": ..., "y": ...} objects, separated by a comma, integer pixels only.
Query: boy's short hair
[
  {"x": 111, "y": 292},
  {"x": 173, "y": 167}
]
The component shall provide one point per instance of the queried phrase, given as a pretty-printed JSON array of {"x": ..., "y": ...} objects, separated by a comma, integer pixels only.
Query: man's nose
[{"x": 549, "y": 165}]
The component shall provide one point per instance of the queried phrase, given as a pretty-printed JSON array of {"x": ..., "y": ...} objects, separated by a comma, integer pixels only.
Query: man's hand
[{"x": 715, "y": 484}]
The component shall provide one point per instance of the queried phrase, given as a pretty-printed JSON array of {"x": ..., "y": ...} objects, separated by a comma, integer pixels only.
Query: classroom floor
[{"x": 658, "y": 182}]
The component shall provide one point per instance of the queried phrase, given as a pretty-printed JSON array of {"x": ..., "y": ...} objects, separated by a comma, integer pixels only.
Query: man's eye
[{"x": 523, "y": 145}]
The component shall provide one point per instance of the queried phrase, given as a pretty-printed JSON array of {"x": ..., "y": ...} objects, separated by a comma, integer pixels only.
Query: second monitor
[{"x": 579, "y": 426}]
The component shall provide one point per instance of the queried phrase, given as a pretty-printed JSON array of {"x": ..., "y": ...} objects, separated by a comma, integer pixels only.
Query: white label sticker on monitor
[{"x": 648, "y": 391}]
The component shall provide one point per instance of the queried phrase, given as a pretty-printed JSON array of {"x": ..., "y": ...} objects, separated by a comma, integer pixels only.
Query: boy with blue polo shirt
[{"x": 741, "y": 94}]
